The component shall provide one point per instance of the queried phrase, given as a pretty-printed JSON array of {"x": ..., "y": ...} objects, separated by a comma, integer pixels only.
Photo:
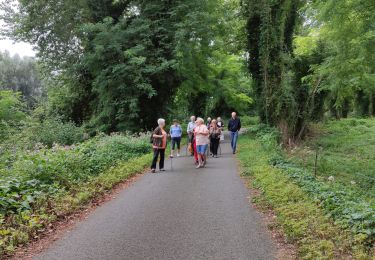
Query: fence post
[{"x": 316, "y": 159}]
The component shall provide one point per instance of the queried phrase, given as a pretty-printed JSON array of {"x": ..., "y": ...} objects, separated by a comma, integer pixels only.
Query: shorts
[
  {"x": 176, "y": 140},
  {"x": 201, "y": 149}
]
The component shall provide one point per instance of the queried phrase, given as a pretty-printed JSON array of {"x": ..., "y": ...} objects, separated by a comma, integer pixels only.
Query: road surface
[{"x": 184, "y": 213}]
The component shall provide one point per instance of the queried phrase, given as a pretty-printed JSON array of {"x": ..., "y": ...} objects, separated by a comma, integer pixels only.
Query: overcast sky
[{"x": 22, "y": 49}]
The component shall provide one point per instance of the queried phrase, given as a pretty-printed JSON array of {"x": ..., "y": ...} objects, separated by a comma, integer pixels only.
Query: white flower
[
  {"x": 331, "y": 178},
  {"x": 353, "y": 183}
]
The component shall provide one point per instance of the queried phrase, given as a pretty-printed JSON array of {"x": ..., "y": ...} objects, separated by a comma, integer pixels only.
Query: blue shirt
[
  {"x": 190, "y": 128},
  {"x": 175, "y": 131}
]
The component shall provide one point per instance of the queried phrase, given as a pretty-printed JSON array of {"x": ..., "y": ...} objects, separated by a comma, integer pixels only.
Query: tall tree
[
  {"x": 347, "y": 28},
  {"x": 270, "y": 28}
]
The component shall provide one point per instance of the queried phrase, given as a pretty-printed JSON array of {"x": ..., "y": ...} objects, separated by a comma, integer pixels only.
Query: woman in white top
[{"x": 201, "y": 137}]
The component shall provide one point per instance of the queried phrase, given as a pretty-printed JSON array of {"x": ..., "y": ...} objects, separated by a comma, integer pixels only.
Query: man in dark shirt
[{"x": 234, "y": 127}]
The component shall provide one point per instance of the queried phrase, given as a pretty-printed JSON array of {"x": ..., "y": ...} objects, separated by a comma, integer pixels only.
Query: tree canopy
[{"x": 119, "y": 65}]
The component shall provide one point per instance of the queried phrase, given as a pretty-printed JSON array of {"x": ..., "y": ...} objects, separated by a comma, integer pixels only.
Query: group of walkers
[{"x": 201, "y": 137}]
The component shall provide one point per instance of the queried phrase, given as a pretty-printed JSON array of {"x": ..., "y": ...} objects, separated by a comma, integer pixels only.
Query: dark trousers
[
  {"x": 176, "y": 140},
  {"x": 191, "y": 140},
  {"x": 214, "y": 145},
  {"x": 155, "y": 159}
]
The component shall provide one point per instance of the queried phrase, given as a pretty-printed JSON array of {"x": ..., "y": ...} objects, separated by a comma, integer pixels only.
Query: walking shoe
[
  {"x": 152, "y": 170},
  {"x": 198, "y": 166},
  {"x": 162, "y": 170},
  {"x": 171, "y": 156},
  {"x": 178, "y": 155},
  {"x": 204, "y": 163}
]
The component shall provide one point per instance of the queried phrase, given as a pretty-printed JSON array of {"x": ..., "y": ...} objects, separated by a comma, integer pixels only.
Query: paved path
[{"x": 181, "y": 214}]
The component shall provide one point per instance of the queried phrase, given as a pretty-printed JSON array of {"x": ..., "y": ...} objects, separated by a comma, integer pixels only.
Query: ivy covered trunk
[{"x": 270, "y": 28}]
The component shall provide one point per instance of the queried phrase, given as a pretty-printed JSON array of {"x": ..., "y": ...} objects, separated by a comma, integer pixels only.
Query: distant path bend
[{"x": 182, "y": 214}]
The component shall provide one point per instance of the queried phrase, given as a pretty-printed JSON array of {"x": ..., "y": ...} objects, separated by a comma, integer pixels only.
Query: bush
[
  {"x": 39, "y": 173},
  {"x": 53, "y": 130},
  {"x": 249, "y": 121},
  {"x": 12, "y": 113}
]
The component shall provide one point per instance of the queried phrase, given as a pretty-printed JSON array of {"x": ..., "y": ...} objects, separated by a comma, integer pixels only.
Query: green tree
[
  {"x": 12, "y": 112},
  {"x": 20, "y": 75},
  {"x": 347, "y": 28},
  {"x": 270, "y": 29}
]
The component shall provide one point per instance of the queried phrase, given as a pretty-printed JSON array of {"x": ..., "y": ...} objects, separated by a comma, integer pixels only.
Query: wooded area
[
  {"x": 106, "y": 66},
  {"x": 119, "y": 65}
]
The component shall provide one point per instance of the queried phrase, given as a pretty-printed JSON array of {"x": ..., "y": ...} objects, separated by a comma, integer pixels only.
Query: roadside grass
[
  {"x": 302, "y": 218},
  {"x": 41, "y": 186},
  {"x": 346, "y": 151}
]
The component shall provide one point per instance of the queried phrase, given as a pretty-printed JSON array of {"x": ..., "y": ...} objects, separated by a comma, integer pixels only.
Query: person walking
[
  {"x": 175, "y": 133},
  {"x": 201, "y": 138},
  {"x": 234, "y": 126},
  {"x": 220, "y": 123},
  {"x": 190, "y": 132},
  {"x": 208, "y": 122},
  {"x": 159, "y": 143},
  {"x": 215, "y": 133}
]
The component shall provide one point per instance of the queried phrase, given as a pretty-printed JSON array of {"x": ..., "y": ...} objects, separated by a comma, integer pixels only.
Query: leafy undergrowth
[
  {"x": 304, "y": 218},
  {"x": 346, "y": 151},
  {"x": 38, "y": 187}
]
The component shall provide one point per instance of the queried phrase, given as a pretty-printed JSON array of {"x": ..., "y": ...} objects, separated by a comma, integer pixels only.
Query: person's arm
[
  {"x": 205, "y": 131},
  {"x": 154, "y": 135},
  {"x": 239, "y": 124},
  {"x": 229, "y": 125},
  {"x": 188, "y": 128}
]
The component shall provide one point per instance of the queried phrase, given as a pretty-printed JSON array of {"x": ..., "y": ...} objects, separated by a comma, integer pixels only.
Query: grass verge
[
  {"x": 22, "y": 227},
  {"x": 299, "y": 215}
]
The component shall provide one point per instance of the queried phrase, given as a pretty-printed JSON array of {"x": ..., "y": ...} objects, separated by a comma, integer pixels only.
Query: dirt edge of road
[{"x": 284, "y": 250}]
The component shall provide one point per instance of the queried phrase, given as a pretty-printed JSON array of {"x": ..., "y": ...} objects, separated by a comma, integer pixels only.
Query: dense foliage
[
  {"x": 270, "y": 27},
  {"x": 12, "y": 113},
  {"x": 35, "y": 184},
  {"x": 123, "y": 64},
  {"x": 20, "y": 75},
  {"x": 346, "y": 29},
  {"x": 308, "y": 58},
  {"x": 108, "y": 66}
]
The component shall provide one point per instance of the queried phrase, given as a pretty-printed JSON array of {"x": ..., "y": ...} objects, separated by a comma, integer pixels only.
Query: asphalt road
[{"x": 185, "y": 213}]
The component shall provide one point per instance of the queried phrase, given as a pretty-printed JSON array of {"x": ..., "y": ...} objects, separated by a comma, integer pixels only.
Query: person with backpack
[
  {"x": 190, "y": 132},
  {"x": 220, "y": 123},
  {"x": 234, "y": 126},
  {"x": 208, "y": 122},
  {"x": 175, "y": 133},
  {"x": 159, "y": 143}
]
